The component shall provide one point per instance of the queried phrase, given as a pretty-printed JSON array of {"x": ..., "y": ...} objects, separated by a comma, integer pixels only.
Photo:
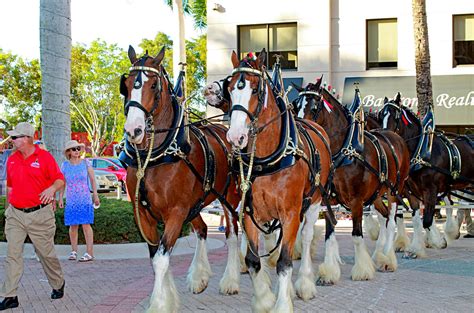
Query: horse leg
[
  {"x": 379, "y": 258},
  {"x": 417, "y": 245},
  {"x": 389, "y": 250},
  {"x": 298, "y": 244},
  {"x": 269, "y": 243},
  {"x": 433, "y": 235},
  {"x": 200, "y": 269},
  {"x": 242, "y": 253},
  {"x": 305, "y": 287},
  {"x": 451, "y": 228},
  {"x": 329, "y": 270},
  {"x": 372, "y": 228},
  {"x": 290, "y": 225},
  {"x": 164, "y": 297},
  {"x": 263, "y": 299},
  {"x": 364, "y": 267},
  {"x": 401, "y": 240},
  {"x": 230, "y": 281}
]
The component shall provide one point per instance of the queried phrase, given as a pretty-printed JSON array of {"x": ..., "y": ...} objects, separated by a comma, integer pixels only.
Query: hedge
[{"x": 113, "y": 223}]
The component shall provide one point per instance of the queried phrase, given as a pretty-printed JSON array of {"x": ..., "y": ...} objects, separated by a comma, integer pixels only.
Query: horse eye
[
  {"x": 153, "y": 86},
  {"x": 254, "y": 91}
]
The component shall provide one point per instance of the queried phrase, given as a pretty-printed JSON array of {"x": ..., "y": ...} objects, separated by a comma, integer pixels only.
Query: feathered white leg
[
  {"x": 417, "y": 245},
  {"x": 200, "y": 269},
  {"x": 305, "y": 286},
  {"x": 378, "y": 256},
  {"x": 330, "y": 271},
  {"x": 364, "y": 267},
  {"x": 164, "y": 297},
  {"x": 402, "y": 241},
  {"x": 389, "y": 250},
  {"x": 451, "y": 228},
  {"x": 284, "y": 304},
  {"x": 372, "y": 228}
]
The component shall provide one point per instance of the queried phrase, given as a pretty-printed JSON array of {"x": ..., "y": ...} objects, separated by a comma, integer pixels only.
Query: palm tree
[
  {"x": 424, "y": 89},
  {"x": 55, "y": 58},
  {"x": 198, "y": 10}
]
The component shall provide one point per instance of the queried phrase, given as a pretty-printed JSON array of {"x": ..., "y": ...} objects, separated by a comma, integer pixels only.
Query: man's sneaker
[
  {"x": 221, "y": 229},
  {"x": 468, "y": 236},
  {"x": 9, "y": 303},
  {"x": 58, "y": 293}
]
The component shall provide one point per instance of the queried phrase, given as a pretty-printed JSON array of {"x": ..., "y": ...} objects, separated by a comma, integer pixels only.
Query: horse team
[{"x": 284, "y": 164}]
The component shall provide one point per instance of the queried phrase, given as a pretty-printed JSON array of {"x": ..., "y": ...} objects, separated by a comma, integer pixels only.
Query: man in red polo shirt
[{"x": 33, "y": 178}]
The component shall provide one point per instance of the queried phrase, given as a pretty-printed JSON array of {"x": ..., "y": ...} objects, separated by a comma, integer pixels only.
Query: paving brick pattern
[{"x": 443, "y": 282}]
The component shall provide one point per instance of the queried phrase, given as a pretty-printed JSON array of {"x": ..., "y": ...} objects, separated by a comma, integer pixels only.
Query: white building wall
[{"x": 332, "y": 35}]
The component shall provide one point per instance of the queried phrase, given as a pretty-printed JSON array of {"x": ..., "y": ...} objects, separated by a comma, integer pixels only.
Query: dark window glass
[
  {"x": 463, "y": 39},
  {"x": 275, "y": 38},
  {"x": 382, "y": 43}
]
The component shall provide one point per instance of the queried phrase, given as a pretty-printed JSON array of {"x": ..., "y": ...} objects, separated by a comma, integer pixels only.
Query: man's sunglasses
[
  {"x": 75, "y": 149},
  {"x": 16, "y": 137}
]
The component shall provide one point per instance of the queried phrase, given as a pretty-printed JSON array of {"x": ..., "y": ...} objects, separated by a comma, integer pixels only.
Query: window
[
  {"x": 275, "y": 38},
  {"x": 102, "y": 164},
  {"x": 382, "y": 43},
  {"x": 463, "y": 39}
]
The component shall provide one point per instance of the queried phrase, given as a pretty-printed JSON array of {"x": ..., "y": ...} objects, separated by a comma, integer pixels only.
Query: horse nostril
[
  {"x": 137, "y": 132},
  {"x": 241, "y": 140}
]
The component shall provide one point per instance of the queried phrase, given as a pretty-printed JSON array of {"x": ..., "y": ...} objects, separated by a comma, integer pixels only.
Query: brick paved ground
[{"x": 444, "y": 282}]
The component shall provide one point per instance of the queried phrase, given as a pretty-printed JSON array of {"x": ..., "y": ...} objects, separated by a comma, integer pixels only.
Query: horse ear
[
  {"x": 159, "y": 57},
  {"x": 235, "y": 59},
  {"x": 385, "y": 100},
  {"x": 300, "y": 89},
  {"x": 131, "y": 54},
  {"x": 318, "y": 83},
  {"x": 398, "y": 98},
  {"x": 262, "y": 57}
]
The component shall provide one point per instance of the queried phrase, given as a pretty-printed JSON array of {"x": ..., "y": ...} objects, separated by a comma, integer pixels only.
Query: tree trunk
[
  {"x": 55, "y": 58},
  {"x": 180, "y": 44},
  {"x": 424, "y": 90}
]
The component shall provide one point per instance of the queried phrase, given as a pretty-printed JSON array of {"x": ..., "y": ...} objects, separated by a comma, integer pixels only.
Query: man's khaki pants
[{"x": 40, "y": 226}]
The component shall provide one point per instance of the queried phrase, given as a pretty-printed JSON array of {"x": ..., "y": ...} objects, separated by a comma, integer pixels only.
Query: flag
[{"x": 179, "y": 86}]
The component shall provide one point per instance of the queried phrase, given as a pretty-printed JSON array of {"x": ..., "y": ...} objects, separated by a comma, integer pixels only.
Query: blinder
[{"x": 138, "y": 83}]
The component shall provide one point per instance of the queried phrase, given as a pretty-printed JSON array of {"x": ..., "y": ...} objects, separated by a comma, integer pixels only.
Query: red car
[{"x": 110, "y": 165}]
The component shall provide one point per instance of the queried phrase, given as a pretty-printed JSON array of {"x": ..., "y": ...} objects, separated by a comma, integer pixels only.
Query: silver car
[{"x": 105, "y": 181}]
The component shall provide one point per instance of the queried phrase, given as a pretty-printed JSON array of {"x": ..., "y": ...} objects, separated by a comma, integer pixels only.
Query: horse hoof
[
  {"x": 409, "y": 256},
  {"x": 399, "y": 250},
  {"x": 324, "y": 283}
]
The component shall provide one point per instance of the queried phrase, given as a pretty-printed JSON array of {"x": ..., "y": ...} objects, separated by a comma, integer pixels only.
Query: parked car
[
  {"x": 105, "y": 181},
  {"x": 110, "y": 165}
]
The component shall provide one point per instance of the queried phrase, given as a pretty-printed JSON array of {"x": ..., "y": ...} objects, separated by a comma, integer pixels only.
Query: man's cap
[{"x": 22, "y": 129}]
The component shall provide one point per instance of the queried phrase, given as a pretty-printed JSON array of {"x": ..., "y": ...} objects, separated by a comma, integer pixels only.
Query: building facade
[{"x": 370, "y": 42}]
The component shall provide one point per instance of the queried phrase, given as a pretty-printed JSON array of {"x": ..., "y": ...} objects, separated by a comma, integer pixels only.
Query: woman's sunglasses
[
  {"x": 16, "y": 137},
  {"x": 75, "y": 149}
]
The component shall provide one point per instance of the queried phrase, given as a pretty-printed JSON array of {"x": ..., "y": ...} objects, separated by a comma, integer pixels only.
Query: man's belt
[{"x": 32, "y": 209}]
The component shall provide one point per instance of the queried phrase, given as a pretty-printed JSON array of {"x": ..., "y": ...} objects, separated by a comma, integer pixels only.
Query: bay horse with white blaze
[
  {"x": 437, "y": 166},
  {"x": 174, "y": 170},
  {"x": 282, "y": 164},
  {"x": 367, "y": 166}
]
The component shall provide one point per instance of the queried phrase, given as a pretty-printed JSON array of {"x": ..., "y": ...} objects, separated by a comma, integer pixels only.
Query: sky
[{"x": 123, "y": 22}]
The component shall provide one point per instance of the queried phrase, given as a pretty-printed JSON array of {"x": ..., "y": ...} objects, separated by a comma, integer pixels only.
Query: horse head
[
  {"x": 306, "y": 105},
  {"x": 141, "y": 88},
  {"x": 391, "y": 113},
  {"x": 248, "y": 92},
  {"x": 217, "y": 95}
]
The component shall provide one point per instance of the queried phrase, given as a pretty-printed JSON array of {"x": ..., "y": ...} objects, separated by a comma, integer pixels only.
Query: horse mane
[{"x": 332, "y": 100}]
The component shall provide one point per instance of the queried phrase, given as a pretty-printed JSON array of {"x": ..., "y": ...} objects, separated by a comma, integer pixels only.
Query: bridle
[
  {"x": 261, "y": 91},
  {"x": 314, "y": 108},
  {"x": 138, "y": 83},
  {"x": 398, "y": 114}
]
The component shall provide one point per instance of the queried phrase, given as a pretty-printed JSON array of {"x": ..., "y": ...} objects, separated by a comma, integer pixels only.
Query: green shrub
[{"x": 113, "y": 223}]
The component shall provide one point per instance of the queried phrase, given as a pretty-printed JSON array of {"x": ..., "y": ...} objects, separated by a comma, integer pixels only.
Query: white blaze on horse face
[
  {"x": 385, "y": 120},
  {"x": 136, "y": 117},
  {"x": 303, "y": 107},
  {"x": 238, "y": 131}
]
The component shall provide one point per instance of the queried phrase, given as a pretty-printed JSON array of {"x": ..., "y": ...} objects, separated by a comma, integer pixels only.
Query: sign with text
[{"x": 453, "y": 95}]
